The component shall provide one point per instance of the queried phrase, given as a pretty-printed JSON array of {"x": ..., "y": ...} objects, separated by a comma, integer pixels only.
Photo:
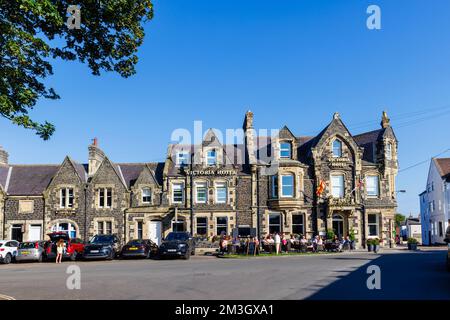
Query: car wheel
[
  {"x": 187, "y": 256},
  {"x": 73, "y": 257},
  {"x": 7, "y": 259}
]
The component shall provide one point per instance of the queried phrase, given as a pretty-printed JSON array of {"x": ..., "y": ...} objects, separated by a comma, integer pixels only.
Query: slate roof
[
  {"x": 3, "y": 175},
  {"x": 443, "y": 165},
  {"x": 368, "y": 141},
  {"x": 131, "y": 171},
  {"x": 30, "y": 180}
]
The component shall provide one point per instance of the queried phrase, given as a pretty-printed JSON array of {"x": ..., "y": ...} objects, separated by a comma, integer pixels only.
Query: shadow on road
[{"x": 411, "y": 275}]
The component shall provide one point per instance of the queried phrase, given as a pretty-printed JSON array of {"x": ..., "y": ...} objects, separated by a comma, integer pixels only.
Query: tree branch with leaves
[{"x": 32, "y": 33}]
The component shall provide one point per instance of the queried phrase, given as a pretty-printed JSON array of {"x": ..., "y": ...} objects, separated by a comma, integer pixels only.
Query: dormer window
[
  {"x": 389, "y": 151},
  {"x": 182, "y": 159},
  {"x": 146, "y": 195},
  {"x": 285, "y": 150},
  {"x": 211, "y": 157},
  {"x": 337, "y": 148}
]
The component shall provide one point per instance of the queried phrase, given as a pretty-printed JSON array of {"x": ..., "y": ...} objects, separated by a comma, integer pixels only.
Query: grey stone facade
[{"x": 140, "y": 199}]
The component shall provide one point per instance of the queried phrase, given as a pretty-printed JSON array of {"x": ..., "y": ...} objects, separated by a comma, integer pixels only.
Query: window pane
[
  {"x": 373, "y": 230},
  {"x": 202, "y": 226},
  {"x": 177, "y": 192},
  {"x": 222, "y": 225},
  {"x": 109, "y": 197},
  {"x": 372, "y": 185},
  {"x": 372, "y": 218},
  {"x": 70, "y": 198},
  {"x": 101, "y": 198},
  {"x": 297, "y": 224},
  {"x": 100, "y": 227},
  {"x": 201, "y": 193},
  {"x": 274, "y": 186},
  {"x": 108, "y": 227},
  {"x": 183, "y": 158},
  {"x": 211, "y": 157},
  {"x": 337, "y": 148},
  {"x": 221, "y": 193},
  {"x": 287, "y": 183},
  {"x": 337, "y": 186},
  {"x": 63, "y": 198},
  {"x": 285, "y": 150},
  {"x": 146, "y": 195}
]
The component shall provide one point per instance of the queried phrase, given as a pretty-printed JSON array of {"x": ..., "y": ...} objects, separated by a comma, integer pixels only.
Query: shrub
[
  {"x": 330, "y": 235},
  {"x": 412, "y": 241}
]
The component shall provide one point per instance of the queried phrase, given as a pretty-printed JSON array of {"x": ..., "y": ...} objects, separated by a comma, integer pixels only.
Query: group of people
[{"x": 278, "y": 243}]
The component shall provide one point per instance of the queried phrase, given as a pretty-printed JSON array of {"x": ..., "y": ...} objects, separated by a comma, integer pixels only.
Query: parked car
[
  {"x": 102, "y": 246},
  {"x": 8, "y": 250},
  {"x": 31, "y": 251},
  {"x": 177, "y": 244},
  {"x": 78, "y": 245},
  {"x": 139, "y": 248},
  {"x": 50, "y": 250}
]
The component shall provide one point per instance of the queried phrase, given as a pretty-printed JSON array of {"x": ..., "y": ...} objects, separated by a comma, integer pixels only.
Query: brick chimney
[
  {"x": 3, "y": 156},
  {"x": 96, "y": 156}
]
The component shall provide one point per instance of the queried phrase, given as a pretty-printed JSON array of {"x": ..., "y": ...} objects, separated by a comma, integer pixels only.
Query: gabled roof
[
  {"x": 131, "y": 171},
  {"x": 30, "y": 180},
  {"x": 443, "y": 165}
]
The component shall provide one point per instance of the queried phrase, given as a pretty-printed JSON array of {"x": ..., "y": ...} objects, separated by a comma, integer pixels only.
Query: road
[{"x": 404, "y": 275}]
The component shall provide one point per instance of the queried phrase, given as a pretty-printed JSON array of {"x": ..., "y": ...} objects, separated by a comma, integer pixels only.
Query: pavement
[{"x": 403, "y": 275}]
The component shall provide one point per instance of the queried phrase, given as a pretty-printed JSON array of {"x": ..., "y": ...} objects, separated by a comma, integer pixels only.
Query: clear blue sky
[{"x": 291, "y": 62}]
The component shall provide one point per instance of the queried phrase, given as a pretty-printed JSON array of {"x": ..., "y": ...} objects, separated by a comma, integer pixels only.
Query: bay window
[{"x": 287, "y": 185}]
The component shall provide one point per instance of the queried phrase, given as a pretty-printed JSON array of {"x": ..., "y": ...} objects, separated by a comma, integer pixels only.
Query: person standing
[
  {"x": 60, "y": 245},
  {"x": 277, "y": 242}
]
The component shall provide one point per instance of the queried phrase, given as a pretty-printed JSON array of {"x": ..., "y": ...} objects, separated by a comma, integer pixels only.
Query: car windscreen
[
  {"x": 101, "y": 239},
  {"x": 135, "y": 242},
  {"x": 175, "y": 236},
  {"x": 27, "y": 245}
]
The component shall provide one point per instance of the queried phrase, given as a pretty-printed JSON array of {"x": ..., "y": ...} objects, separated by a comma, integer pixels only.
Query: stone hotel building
[{"x": 213, "y": 188}]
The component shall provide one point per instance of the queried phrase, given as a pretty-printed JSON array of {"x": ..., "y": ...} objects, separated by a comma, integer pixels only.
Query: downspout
[{"x": 85, "y": 213}]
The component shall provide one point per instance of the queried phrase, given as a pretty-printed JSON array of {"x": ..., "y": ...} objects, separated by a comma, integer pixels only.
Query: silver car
[{"x": 31, "y": 251}]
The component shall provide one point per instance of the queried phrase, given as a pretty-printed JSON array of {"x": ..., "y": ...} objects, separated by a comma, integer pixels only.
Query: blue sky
[{"x": 291, "y": 62}]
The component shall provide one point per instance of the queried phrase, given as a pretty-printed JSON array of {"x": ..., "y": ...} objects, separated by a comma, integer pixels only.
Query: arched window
[{"x": 337, "y": 148}]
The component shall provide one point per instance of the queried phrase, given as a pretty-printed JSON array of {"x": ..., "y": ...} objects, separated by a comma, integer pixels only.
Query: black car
[
  {"x": 102, "y": 246},
  {"x": 177, "y": 244},
  {"x": 139, "y": 249}
]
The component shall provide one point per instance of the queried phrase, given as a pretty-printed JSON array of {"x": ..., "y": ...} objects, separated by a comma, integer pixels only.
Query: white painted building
[{"x": 435, "y": 202}]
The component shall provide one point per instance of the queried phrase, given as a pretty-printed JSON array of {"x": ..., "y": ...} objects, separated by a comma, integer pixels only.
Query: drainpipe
[
  {"x": 85, "y": 213},
  {"x": 192, "y": 195}
]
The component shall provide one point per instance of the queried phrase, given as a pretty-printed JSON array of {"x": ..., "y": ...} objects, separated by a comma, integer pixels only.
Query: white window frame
[
  {"x": 217, "y": 187},
  {"x": 290, "y": 175},
  {"x": 209, "y": 158},
  {"x": 333, "y": 149},
  {"x": 341, "y": 189},
  {"x": 181, "y": 187},
  {"x": 376, "y": 224},
  {"x": 143, "y": 195},
  {"x": 105, "y": 195},
  {"x": 182, "y": 156},
  {"x": 297, "y": 224},
  {"x": 370, "y": 192},
  {"x": 200, "y": 185},
  {"x": 221, "y": 225},
  {"x": 289, "y": 149},
  {"x": 64, "y": 201}
]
